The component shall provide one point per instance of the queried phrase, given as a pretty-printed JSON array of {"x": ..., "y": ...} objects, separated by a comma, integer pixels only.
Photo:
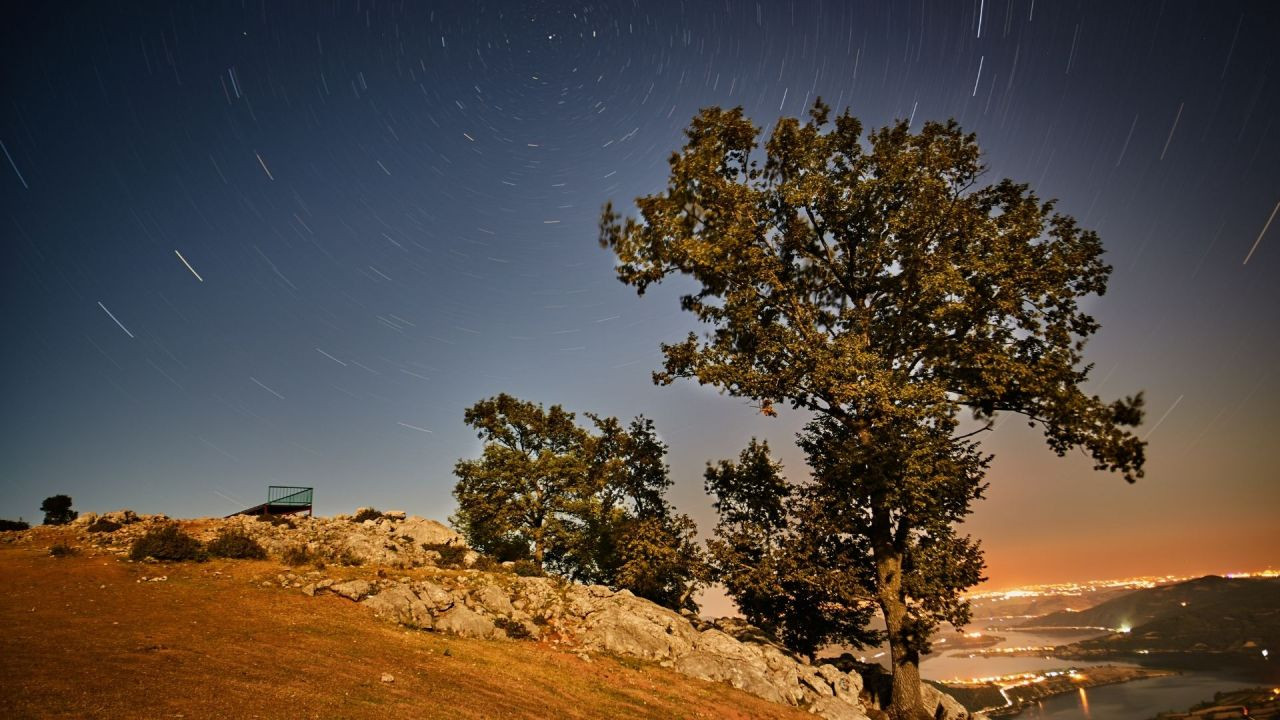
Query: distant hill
[
  {"x": 1210, "y": 613},
  {"x": 999, "y": 608}
]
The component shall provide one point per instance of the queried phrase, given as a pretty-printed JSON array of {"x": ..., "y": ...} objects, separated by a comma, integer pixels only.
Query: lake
[{"x": 1136, "y": 700}]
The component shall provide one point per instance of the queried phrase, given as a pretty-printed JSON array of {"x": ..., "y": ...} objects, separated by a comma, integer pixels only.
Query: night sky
[{"x": 288, "y": 243}]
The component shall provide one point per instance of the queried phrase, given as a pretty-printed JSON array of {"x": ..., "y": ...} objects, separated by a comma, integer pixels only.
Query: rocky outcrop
[
  {"x": 595, "y": 619},
  {"x": 394, "y": 540}
]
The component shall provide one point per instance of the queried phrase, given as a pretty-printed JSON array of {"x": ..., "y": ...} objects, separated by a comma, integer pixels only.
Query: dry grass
[{"x": 80, "y": 637}]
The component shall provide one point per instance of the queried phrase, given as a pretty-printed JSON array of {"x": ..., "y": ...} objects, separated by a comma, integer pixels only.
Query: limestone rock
[
  {"x": 399, "y": 604},
  {"x": 461, "y": 620},
  {"x": 842, "y": 684},
  {"x": 495, "y": 600},
  {"x": 429, "y": 532},
  {"x": 815, "y": 683},
  {"x": 435, "y": 596},
  {"x": 355, "y": 590},
  {"x": 834, "y": 708},
  {"x": 124, "y": 517},
  {"x": 941, "y": 705},
  {"x": 639, "y": 628},
  {"x": 743, "y": 675}
]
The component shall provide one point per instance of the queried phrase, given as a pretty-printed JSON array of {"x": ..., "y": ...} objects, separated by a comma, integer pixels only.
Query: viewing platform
[{"x": 282, "y": 500}]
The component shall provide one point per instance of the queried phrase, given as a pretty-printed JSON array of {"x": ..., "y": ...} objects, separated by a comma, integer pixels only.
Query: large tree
[
  {"x": 882, "y": 287},
  {"x": 587, "y": 503}
]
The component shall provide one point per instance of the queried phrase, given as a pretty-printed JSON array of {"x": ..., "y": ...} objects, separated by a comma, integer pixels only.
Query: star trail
[{"x": 287, "y": 243}]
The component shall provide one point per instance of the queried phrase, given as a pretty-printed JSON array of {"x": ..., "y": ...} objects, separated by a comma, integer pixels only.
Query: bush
[
  {"x": 349, "y": 558},
  {"x": 484, "y": 563},
  {"x": 61, "y": 550},
  {"x": 236, "y": 543},
  {"x": 14, "y": 525},
  {"x": 296, "y": 555},
  {"x": 451, "y": 556},
  {"x": 167, "y": 542},
  {"x": 513, "y": 629},
  {"x": 527, "y": 568},
  {"x": 103, "y": 525},
  {"x": 366, "y": 514},
  {"x": 277, "y": 521}
]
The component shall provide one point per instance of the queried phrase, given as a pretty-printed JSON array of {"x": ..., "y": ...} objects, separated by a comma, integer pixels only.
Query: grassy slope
[{"x": 80, "y": 637}]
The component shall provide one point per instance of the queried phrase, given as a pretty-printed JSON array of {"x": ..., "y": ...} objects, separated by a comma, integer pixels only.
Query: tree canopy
[
  {"x": 57, "y": 510},
  {"x": 587, "y": 503},
  {"x": 885, "y": 288},
  {"x": 786, "y": 576}
]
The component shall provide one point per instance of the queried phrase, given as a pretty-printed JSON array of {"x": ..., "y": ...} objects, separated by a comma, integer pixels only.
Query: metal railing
[{"x": 284, "y": 495}]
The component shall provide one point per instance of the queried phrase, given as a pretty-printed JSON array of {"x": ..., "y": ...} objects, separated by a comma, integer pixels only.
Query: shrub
[
  {"x": 61, "y": 550},
  {"x": 450, "y": 555},
  {"x": 513, "y": 629},
  {"x": 103, "y": 525},
  {"x": 527, "y": 568},
  {"x": 349, "y": 558},
  {"x": 14, "y": 525},
  {"x": 296, "y": 555},
  {"x": 485, "y": 563},
  {"x": 366, "y": 514},
  {"x": 236, "y": 543},
  {"x": 167, "y": 542},
  {"x": 277, "y": 520}
]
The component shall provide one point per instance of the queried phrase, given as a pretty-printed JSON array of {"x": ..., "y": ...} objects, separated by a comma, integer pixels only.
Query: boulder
[
  {"x": 398, "y": 603},
  {"x": 428, "y": 532},
  {"x": 834, "y": 708},
  {"x": 940, "y": 705},
  {"x": 841, "y": 683},
  {"x": 461, "y": 620},
  {"x": 743, "y": 675},
  {"x": 435, "y": 596},
  {"x": 124, "y": 517},
  {"x": 815, "y": 683},
  {"x": 495, "y": 600},
  {"x": 394, "y": 514},
  {"x": 355, "y": 590},
  {"x": 639, "y": 628}
]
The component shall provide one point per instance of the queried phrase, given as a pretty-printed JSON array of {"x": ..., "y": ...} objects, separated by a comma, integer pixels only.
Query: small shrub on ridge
[
  {"x": 167, "y": 542},
  {"x": 103, "y": 525},
  {"x": 236, "y": 543}
]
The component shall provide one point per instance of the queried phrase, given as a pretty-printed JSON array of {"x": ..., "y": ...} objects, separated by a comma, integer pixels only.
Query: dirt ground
[{"x": 83, "y": 637}]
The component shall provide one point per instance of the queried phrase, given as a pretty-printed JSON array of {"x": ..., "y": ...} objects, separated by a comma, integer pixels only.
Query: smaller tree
[
  {"x": 57, "y": 510},
  {"x": 588, "y": 505},
  {"x": 513, "y": 500},
  {"x": 638, "y": 541},
  {"x": 778, "y": 558}
]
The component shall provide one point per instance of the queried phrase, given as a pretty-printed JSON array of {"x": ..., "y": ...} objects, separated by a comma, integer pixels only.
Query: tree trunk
[
  {"x": 538, "y": 550},
  {"x": 905, "y": 702}
]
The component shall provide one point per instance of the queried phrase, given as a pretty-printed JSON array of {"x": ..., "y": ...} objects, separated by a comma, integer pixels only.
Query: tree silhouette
[{"x": 57, "y": 510}]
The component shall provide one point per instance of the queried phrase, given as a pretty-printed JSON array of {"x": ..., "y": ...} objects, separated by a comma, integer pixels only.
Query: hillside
[
  {"x": 85, "y": 636},
  {"x": 1202, "y": 598},
  {"x": 370, "y": 621}
]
